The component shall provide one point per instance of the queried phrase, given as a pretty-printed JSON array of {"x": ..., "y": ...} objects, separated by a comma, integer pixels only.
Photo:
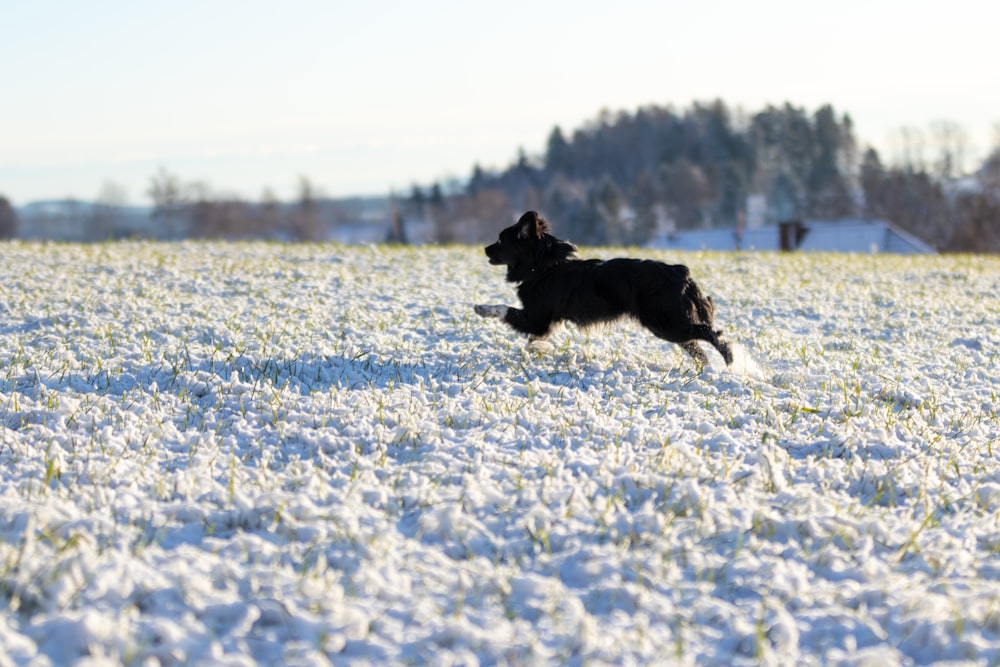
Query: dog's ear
[
  {"x": 560, "y": 250},
  {"x": 532, "y": 225}
]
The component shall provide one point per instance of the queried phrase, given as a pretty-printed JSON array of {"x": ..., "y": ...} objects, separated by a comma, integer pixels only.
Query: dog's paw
[
  {"x": 490, "y": 311},
  {"x": 540, "y": 347}
]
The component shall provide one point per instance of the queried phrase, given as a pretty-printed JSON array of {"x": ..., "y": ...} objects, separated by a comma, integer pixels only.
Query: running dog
[{"x": 554, "y": 286}]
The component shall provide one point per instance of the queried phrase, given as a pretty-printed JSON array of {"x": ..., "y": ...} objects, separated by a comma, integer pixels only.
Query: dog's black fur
[{"x": 555, "y": 286}]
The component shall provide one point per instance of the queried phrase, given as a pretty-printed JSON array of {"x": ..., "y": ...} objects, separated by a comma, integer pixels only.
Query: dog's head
[{"x": 526, "y": 247}]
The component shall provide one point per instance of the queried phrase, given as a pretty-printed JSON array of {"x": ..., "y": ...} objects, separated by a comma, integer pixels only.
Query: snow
[{"x": 318, "y": 454}]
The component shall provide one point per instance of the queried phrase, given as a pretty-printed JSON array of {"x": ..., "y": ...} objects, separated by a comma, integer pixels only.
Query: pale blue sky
[{"x": 366, "y": 96}]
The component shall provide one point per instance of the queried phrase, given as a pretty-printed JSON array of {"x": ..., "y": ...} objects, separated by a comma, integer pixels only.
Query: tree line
[
  {"x": 181, "y": 210},
  {"x": 623, "y": 176},
  {"x": 192, "y": 211}
]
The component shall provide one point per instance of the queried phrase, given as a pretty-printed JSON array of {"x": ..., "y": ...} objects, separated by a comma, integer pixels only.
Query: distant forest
[
  {"x": 621, "y": 179},
  {"x": 624, "y": 176}
]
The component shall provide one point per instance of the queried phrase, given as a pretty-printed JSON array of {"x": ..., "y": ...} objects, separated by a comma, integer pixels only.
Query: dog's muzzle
[{"x": 491, "y": 252}]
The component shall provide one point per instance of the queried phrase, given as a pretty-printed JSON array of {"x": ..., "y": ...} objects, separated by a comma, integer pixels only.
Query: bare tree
[
  {"x": 107, "y": 213},
  {"x": 164, "y": 189},
  {"x": 305, "y": 222},
  {"x": 270, "y": 212},
  {"x": 168, "y": 203},
  {"x": 397, "y": 223},
  {"x": 472, "y": 218},
  {"x": 952, "y": 144},
  {"x": 223, "y": 218},
  {"x": 909, "y": 146},
  {"x": 976, "y": 224}
]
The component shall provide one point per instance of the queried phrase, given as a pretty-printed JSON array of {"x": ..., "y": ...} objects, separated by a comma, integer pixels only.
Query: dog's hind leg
[
  {"x": 554, "y": 327},
  {"x": 710, "y": 335},
  {"x": 699, "y": 356},
  {"x": 688, "y": 342},
  {"x": 724, "y": 348},
  {"x": 539, "y": 343}
]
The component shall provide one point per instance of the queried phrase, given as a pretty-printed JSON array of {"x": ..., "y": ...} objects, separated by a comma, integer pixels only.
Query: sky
[{"x": 376, "y": 96}]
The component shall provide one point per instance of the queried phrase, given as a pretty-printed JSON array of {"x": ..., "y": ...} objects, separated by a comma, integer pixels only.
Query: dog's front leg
[
  {"x": 536, "y": 328},
  {"x": 499, "y": 312}
]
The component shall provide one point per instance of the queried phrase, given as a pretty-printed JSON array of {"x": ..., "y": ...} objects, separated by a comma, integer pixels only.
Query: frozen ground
[{"x": 227, "y": 454}]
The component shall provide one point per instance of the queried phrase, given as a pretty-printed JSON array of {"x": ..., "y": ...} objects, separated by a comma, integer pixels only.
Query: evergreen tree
[
  {"x": 685, "y": 190},
  {"x": 784, "y": 199},
  {"x": 828, "y": 191},
  {"x": 989, "y": 174},
  {"x": 559, "y": 156},
  {"x": 872, "y": 179},
  {"x": 436, "y": 199},
  {"x": 477, "y": 181},
  {"x": 646, "y": 199},
  {"x": 609, "y": 205},
  {"x": 730, "y": 187},
  {"x": 8, "y": 219}
]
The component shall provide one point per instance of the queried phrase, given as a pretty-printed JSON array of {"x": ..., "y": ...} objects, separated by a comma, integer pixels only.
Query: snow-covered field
[{"x": 227, "y": 454}]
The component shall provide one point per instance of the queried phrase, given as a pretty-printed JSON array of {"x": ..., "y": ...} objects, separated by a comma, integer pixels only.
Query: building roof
[
  {"x": 870, "y": 236},
  {"x": 858, "y": 236}
]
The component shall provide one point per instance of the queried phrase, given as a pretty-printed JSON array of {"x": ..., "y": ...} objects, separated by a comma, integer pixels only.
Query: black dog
[{"x": 554, "y": 286}]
